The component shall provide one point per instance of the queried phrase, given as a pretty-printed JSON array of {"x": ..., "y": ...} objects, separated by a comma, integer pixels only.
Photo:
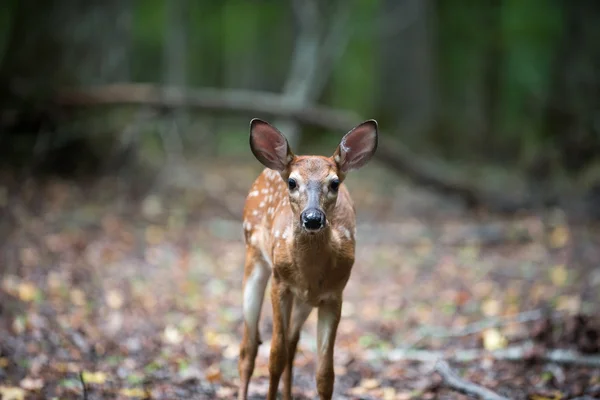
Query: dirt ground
[{"x": 106, "y": 293}]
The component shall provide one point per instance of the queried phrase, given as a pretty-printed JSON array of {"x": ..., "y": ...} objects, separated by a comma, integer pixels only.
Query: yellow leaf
[
  {"x": 32, "y": 383},
  {"x": 491, "y": 307},
  {"x": 559, "y": 236},
  {"x": 559, "y": 275},
  {"x": 114, "y": 299},
  {"x": 78, "y": 297},
  {"x": 133, "y": 392},
  {"x": 11, "y": 393},
  {"x": 557, "y": 396},
  {"x": 369, "y": 383},
  {"x": 4, "y": 362},
  {"x": 94, "y": 377},
  {"x": 493, "y": 339},
  {"x": 27, "y": 291},
  {"x": 389, "y": 393}
]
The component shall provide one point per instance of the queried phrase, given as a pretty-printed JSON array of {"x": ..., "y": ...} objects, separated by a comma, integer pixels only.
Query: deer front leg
[
  {"x": 281, "y": 299},
  {"x": 329, "y": 318},
  {"x": 300, "y": 313}
]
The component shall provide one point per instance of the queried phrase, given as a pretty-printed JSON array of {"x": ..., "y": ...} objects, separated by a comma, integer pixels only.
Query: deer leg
[
  {"x": 300, "y": 313},
  {"x": 255, "y": 284},
  {"x": 329, "y": 318},
  {"x": 281, "y": 299}
]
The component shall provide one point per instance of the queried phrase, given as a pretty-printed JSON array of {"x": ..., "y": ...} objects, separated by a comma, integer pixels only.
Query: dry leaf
[
  {"x": 389, "y": 393},
  {"x": 98, "y": 377},
  {"x": 213, "y": 373},
  {"x": 11, "y": 393},
  {"x": 493, "y": 339},
  {"x": 369, "y": 383},
  {"x": 172, "y": 335},
  {"x": 32, "y": 383},
  {"x": 491, "y": 307},
  {"x": 225, "y": 392},
  {"x": 114, "y": 299},
  {"x": 133, "y": 392},
  {"x": 78, "y": 297},
  {"x": 559, "y": 236},
  {"x": 27, "y": 291},
  {"x": 559, "y": 275}
]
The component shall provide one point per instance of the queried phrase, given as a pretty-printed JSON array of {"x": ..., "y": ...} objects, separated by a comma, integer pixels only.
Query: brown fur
[
  {"x": 314, "y": 268},
  {"x": 309, "y": 269}
]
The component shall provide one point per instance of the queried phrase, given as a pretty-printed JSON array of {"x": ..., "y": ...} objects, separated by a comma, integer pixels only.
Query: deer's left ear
[{"x": 357, "y": 146}]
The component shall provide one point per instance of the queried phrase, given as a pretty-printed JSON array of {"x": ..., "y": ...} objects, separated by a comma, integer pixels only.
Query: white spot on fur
[
  {"x": 255, "y": 212},
  {"x": 253, "y": 193},
  {"x": 276, "y": 234},
  {"x": 262, "y": 204},
  {"x": 345, "y": 232},
  {"x": 264, "y": 191}
]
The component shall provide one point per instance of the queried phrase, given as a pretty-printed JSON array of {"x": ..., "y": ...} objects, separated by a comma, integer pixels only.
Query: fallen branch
[
  {"x": 464, "y": 386},
  {"x": 479, "y": 326},
  {"x": 438, "y": 176},
  {"x": 514, "y": 353}
]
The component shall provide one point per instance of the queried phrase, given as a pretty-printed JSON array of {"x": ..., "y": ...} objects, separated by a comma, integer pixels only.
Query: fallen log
[{"x": 421, "y": 171}]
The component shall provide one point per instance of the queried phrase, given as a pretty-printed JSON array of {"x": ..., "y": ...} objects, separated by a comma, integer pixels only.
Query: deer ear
[
  {"x": 269, "y": 146},
  {"x": 357, "y": 146}
]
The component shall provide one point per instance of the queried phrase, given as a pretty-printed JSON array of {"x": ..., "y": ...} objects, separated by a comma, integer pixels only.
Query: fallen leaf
[
  {"x": 133, "y": 392},
  {"x": 32, "y": 383},
  {"x": 78, "y": 297},
  {"x": 11, "y": 393},
  {"x": 559, "y": 236},
  {"x": 369, "y": 383},
  {"x": 27, "y": 291},
  {"x": 491, "y": 307},
  {"x": 98, "y": 377},
  {"x": 559, "y": 275},
  {"x": 225, "y": 392},
  {"x": 172, "y": 335},
  {"x": 114, "y": 299},
  {"x": 555, "y": 396},
  {"x": 213, "y": 373},
  {"x": 493, "y": 339},
  {"x": 389, "y": 393}
]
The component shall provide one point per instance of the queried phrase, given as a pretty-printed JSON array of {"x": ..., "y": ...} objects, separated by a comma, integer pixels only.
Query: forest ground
[{"x": 140, "y": 296}]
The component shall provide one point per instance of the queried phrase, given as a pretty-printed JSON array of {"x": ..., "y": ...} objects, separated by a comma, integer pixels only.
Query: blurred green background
[{"x": 511, "y": 85}]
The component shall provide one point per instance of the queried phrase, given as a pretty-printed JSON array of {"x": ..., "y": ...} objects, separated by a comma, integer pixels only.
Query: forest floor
[{"x": 109, "y": 295}]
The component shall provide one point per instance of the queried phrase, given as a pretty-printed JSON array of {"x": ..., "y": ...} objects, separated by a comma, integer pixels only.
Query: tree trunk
[
  {"x": 59, "y": 43},
  {"x": 407, "y": 85},
  {"x": 571, "y": 116},
  {"x": 55, "y": 44}
]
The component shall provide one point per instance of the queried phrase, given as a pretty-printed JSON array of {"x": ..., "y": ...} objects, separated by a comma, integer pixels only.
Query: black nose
[{"x": 313, "y": 219}]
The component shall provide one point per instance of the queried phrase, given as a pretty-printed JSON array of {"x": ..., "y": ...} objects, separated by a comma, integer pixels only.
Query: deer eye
[
  {"x": 334, "y": 184},
  {"x": 292, "y": 184}
]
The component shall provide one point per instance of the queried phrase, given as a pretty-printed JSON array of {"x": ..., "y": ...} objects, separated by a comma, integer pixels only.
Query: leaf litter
[{"x": 140, "y": 297}]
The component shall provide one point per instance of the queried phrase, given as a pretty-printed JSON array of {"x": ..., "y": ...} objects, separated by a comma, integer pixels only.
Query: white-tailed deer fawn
[{"x": 299, "y": 227}]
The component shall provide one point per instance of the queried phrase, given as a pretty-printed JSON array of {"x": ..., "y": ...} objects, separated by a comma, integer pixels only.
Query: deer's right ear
[{"x": 269, "y": 146}]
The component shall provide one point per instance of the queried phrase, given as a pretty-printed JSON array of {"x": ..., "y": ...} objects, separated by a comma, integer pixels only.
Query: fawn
[{"x": 299, "y": 227}]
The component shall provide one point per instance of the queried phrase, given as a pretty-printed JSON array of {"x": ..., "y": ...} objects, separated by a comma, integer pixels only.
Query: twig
[
  {"x": 85, "y": 392},
  {"x": 479, "y": 326},
  {"x": 513, "y": 353},
  {"x": 463, "y": 386}
]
